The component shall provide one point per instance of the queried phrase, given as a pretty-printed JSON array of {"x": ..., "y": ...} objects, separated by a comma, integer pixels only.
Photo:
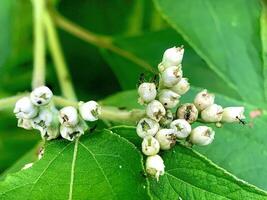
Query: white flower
[
  {"x": 188, "y": 112},
  {"x": 171, "y": 76},
  {"x": 155, "y": 166},
  {"x": 181, "y": 87},
  {"x": 155, "y": 110},
  {"x": 166, "y": 138},
  {"x": 233, "y": 114},
  {"x": 90, "y": 110},
  {"x": 71, "y": 133},
  {"x": 68, "y": 116},
  {"x": 168, "y": 98},
  {"x": 173, "y": 56},
  {"x": 202, "y": 135},
  {"x": 212, "y": 113},
  {"x": 167, "y": 119},
  {"x": 25, "y": 123},
  {"x": 182, "y": 128},
  {"x": 44, "y": 118},
  {"x": 147, "y": 92},
  {"x": 150, "y": 146},
  {"x": 25, "y": 109},
  {"x": 146, "y": 127},
  {"x": 41, "y": 96},
  {"x": 203, "y": 99}
]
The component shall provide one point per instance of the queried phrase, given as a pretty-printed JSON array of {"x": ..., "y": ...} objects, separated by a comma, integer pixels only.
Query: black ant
[{"x": 240, "y": 121}]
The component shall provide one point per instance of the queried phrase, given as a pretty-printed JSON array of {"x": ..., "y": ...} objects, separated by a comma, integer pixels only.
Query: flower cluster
[
  {"x": 37, "y": 111},
  {"x": 161, "y": 128}
]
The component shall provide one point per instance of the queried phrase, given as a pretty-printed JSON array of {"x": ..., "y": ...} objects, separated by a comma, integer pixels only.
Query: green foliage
[
  {"x": 225, "y": 47},
  {"x": 91, "y": 168}
]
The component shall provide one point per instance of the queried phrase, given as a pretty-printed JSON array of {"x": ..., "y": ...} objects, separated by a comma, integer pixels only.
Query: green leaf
[
  {"x": 226, "y": 34},
  {"x": 150, "y": 47},
  {"x": 98, "y": 166},
  {"x": 189, "y": 175}
]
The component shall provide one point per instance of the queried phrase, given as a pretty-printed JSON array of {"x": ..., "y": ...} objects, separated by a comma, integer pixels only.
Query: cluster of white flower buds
[
  {"x": 161, "y": 128},
  {"x": 37, "y": 111}
]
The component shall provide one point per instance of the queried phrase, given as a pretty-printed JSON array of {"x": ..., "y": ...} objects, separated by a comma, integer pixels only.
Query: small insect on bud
[
  {"x": 147, "y": 92},
  {"x": 233, "y": 114},
  {"x": 71, "y": 133},
  {"x": 212, "y": 113},
  {"x": 150, "y": 146},
  {"x": 155, "y": 110},
  {"x": 181, "y": 127},
  {"x": 173, "y": 56},
  {"x": 202, "y": 135},
  {"x": 68, "y": 116},
  {"x": 146, "y": 127},
  {"x": 181, "y": 87},
  {"x": 25, "y": 109},
  {"x": 90, "y": 110},
  {"x": 171, "y": 76},
  {"x": 41, "y": 96},
  {"x": 203, "y": 99},
  {"x": 188, "y": 112},
  {"x": 167, "y": 119},
  {"x": 25, "y": 123},
  {"x": 168, "y": 98},
  {"x": 155, "y": 166},
  {"x": 166, "y": 138}
]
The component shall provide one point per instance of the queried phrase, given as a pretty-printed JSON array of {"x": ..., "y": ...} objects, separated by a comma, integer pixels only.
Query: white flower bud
[
  {"x": 212, "y": 113},
  {"x": 155, "y": 110},
  {"x": 25, "y": 109},
  {"x": 181, "y": 87},
  {"x": 47, "y": 123},
  {"x": 166, "y": 138},
  {"x": 203, "y": 99},
  {"x": 146, "y": 127},
  {"x": 90, "y": 110},
  {"x": 68, "y": 116},
  {"x": 173, "y": 56},
  {"x": 155, "y": 166},
  {"x": 161, "y": 67},
  {"x": 188, "y": 112},
  {"x": 25, "y": 123},
  {"x": 44, "y": 119},
  {"x": 181, "y": 127},
  {"x": 41, "y": 96},
  {"x": 147, "y": 92},
  {"x": 168, "y": 98},
  {"x": 171, "y": 76},
  {"x": 233, "y": 114},
  {"x": 71, "y": 133},
  {"x": 150, "y": 146},
  {"x": 167, "y": 119},
  {"x": 202, "y": 135}
]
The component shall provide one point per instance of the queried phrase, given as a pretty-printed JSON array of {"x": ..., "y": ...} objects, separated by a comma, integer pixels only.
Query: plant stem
[
  {"x": 9, "y": 102},
  {"x": 39, "y": 44},
  {"x": 99, "y": 41},
  {"x": 57, "y": 55},
  {"x": 108, "y": 113}
]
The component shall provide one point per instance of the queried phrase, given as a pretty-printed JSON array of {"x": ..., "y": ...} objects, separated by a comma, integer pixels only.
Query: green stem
[
  {"x": 39, "y": 44},
  {"x": 99, "y": 41},
  {"x": 57, "y": 55},
  {"x": 109, "y": 113},
  {"x": 9, "y": 102}
]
